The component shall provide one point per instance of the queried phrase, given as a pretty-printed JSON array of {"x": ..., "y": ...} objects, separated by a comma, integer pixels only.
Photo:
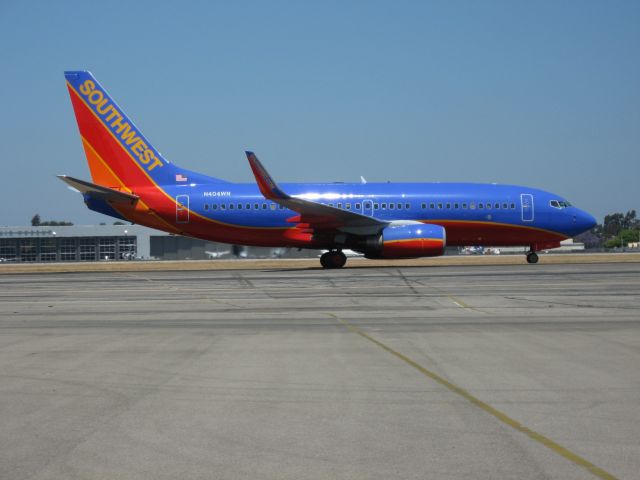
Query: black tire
[
  {"x": 338, "y": 259},
  {"x": 532, "y": 257},
  {"x": 333, "y": 259}
]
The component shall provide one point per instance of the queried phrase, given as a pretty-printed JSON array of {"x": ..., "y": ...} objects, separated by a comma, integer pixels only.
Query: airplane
[
  {"x": 217, "y": 254},
  {"x": 132, "y": 181}
]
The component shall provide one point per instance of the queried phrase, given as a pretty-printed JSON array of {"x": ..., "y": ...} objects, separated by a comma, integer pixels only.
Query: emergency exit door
[
  {"x": 182, "y": 208},
  {"x": 526, "y": 199}
]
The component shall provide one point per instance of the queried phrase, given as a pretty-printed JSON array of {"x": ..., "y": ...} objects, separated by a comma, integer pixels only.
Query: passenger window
[
  {"x": 347, "y": 206},
  {"x": 272, "y": 206},
  {"x": 391, "y": 206},
  {"x": 206, "y": 206},
  {"x": 432, "y": 205},
  {"x": 480, "y": 206},
  {"x": 488, "y": 205},
  {"x": 248, "y": 206},
  {"x": 358, "y": 206},
  {"x": 505, "y": 206},
  {"x": 464, "y": 206},
  {"x": 399, "y": 206},
  {"x": 513, "y": 206},
  {"x": 383, "y": 206},
  {"x": 339, "y": 205},
  {"x": 440, "y": 206},
  {"x": 407, "y": 206},
  {"x": 472, "y": 206},
  {"x": 231, "y": 206},
  {"x": 448, "y": 206},
  {"x": 496, "y": 205},
  {"x": 214, "y": 206},
  {"x": 456, "y": 205},
  {"x": 264, "y": 206},
  {"x": 239, "y": 206},
  {"x": 423, "y": 206},
  {"x": 375, "y": 206}
]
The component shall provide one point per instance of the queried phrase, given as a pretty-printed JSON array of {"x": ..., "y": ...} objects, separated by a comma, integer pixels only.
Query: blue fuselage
[{"x": 476, "y": 214}]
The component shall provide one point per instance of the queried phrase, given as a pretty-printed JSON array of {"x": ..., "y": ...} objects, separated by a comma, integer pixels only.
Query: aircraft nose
[
  {"x": 591, "y": 220},
  {"x": 583, "y": 221}
]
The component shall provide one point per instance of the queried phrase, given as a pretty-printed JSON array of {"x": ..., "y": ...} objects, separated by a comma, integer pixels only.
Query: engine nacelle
[{"x": 410, "y": 241}]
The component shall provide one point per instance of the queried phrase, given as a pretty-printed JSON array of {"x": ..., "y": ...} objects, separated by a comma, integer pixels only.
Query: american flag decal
[{"x": 180, "y": 178}]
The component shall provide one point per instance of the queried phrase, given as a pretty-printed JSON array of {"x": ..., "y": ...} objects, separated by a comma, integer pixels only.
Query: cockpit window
[{"x": 559, "y": 203}]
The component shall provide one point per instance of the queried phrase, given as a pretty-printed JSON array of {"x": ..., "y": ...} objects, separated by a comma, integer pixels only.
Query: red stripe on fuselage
[{"x": 462, "y": 233}]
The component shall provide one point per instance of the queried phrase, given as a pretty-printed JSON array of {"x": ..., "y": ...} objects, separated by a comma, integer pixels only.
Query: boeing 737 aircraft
[{"x": 133, "y": 181}]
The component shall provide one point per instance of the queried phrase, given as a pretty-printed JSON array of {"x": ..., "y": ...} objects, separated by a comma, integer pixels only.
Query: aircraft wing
[
  {"x": 316, "y": 215},
  {"x": 98, "y": 191}
]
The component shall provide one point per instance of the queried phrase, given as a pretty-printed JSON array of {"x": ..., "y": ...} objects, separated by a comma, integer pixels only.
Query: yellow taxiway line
[{"x": 502, "y": 417}]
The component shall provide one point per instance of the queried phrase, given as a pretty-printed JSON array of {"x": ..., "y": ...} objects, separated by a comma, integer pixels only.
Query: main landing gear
[
  {"x": 532, "y": 257},
  {"x": 333, "y": 259}
]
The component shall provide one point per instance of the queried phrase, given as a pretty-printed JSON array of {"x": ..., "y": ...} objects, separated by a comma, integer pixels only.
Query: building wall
[
  {"x": 181, "y": 248},
  {"x": 74, "y": 243},
  {"x": 67, "y": 249},
  {"x": 83, "y": 243}
]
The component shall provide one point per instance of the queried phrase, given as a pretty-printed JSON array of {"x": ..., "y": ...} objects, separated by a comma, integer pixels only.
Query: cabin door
[
  {"x": 526, "y": 200},
  {"x": 182, "y": 208}
]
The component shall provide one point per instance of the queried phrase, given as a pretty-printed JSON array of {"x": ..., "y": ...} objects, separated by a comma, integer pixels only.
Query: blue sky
[{"x": 544, "y": 94}]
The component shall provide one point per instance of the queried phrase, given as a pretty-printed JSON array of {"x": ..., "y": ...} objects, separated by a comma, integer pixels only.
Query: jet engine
[{"x": 407, "y": 241}]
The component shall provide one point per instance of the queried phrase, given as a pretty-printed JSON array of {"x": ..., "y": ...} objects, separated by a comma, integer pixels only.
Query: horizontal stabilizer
[{"x": 98, "y": 191}]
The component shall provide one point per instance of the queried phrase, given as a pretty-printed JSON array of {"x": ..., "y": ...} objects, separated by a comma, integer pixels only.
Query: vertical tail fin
[{"x": 119, "y": 155}]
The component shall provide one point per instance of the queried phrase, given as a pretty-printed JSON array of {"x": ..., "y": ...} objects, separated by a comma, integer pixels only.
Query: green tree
[
  {"x": 630, "y": 220},
  {"x": 590, "y": 239},
  {"x": 55, "y": 223},
  {"x": 36, "y": 221},
  {"x": 614, "y": 223},
  {"x": 625, "y": 237}
]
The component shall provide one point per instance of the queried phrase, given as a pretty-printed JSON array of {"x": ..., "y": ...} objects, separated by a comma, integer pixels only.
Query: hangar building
[{"x": 88, "y": 243}]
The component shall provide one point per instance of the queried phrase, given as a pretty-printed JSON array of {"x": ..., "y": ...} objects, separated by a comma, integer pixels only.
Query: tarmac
[{"x": 404, "y": 372}]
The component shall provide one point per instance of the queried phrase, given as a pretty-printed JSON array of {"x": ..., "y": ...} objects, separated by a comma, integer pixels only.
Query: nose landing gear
[{"x": 333, "y": 259}]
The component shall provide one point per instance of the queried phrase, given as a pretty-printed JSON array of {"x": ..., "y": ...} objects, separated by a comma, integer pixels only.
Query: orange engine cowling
[{"x": 410, "y": 241}]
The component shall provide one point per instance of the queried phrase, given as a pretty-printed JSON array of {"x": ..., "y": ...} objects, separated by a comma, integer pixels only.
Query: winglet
[{"x": 267, "y": 185}]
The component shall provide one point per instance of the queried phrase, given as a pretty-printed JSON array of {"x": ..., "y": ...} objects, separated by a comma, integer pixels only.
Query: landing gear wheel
[
  {"x": 532, "y": 257},
  {"x": 333, "y": 259}
]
